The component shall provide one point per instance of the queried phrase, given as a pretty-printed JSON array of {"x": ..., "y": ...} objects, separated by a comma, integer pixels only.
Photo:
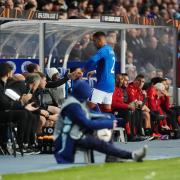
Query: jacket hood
[{"x": 82, "y": 91}]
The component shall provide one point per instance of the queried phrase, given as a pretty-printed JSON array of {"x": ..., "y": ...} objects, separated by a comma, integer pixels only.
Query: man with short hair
[
  {"x": 32, "y": 68},
  {"x": 137, "y": 97},
  {"x": 103, "y": 62},
  {"x": 16, "y": 111}
]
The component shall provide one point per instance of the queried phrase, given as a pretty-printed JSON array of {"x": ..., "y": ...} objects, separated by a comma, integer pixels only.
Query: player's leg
[
  {"x": 105, "y": 106},
  {"x": 95, "y": 99}
]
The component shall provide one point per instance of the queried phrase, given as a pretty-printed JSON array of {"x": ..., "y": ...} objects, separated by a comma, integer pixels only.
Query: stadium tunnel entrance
[{"x": 146, "y": 49}]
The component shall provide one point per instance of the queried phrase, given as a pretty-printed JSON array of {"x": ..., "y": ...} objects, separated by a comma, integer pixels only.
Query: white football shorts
[{"x": 101, "y": 97}]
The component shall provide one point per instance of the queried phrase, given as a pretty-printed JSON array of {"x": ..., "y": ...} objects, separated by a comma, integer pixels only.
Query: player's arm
[
  {"x": 77, "y": 115},
  {"x": 92, "y": 61}
]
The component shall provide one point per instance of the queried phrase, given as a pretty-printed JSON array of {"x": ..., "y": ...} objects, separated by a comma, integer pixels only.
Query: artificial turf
[{"x": 168, "y": 169}]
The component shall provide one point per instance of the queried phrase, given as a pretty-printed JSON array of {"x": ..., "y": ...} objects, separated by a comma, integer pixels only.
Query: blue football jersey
[{"x": 104, "y": 63}]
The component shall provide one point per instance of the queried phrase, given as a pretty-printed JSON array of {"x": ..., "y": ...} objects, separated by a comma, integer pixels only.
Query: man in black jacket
[
  {"x": 34, "y": 68},
  {"x": 16, "y": 111}
]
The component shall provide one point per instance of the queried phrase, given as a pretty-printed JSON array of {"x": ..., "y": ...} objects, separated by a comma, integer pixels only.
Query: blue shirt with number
[{"x": 104, "y": 63}]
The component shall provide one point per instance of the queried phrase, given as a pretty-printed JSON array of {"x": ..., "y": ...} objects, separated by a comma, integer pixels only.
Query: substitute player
[{"x": 103, "y": 62}]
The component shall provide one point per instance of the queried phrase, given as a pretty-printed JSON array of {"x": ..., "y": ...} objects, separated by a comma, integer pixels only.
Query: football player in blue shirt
[{"x": 103, "y": 62}]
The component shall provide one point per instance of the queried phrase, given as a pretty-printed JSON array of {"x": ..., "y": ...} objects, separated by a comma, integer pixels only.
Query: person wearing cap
[
  {"x": 58, "y": 92},
  {"x": 76, "y": 125},
  {"x": 57, "y": 81},
  {"x": 53, "y": 73}
]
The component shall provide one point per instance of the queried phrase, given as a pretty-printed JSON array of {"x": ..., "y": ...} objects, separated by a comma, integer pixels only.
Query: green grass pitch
[{"x": 165, "y": 169}]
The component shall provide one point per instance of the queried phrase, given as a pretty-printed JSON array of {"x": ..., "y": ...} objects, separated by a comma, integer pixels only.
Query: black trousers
[
  {"x": 138, "y": 121},
  {"x": 134, "y": 118},
  {"x": 172, "y": 116},
  {"x": 25, "y": 122},
  {"x": 31, "y": 127}
]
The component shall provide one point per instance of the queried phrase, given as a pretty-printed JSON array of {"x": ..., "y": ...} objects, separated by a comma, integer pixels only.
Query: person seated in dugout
[
  {"x": 123, "y": 109},
  {"x": 15, "y": 109},
  {"x": 75, "y": 127},
  {"x": 17, "y": 83},
  {"x": 159, "y": 104},
  {"x": 48, "y": 112},
  {"x": 154, "y": 95},
  {"x": 28, "y": 85},
  {"x": 172, "y": 111},
  {"x": 119, "y": 102},
  {"x": 137, "y": 97},
  {"x": 32, "y": 84},
  {"x": 58, "y": 92}
]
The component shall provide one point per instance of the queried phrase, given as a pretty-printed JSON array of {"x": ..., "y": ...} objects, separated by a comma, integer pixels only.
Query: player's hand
[
  {"x": 77, "y": 74},
  {"x": 90, "y": 74}
]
